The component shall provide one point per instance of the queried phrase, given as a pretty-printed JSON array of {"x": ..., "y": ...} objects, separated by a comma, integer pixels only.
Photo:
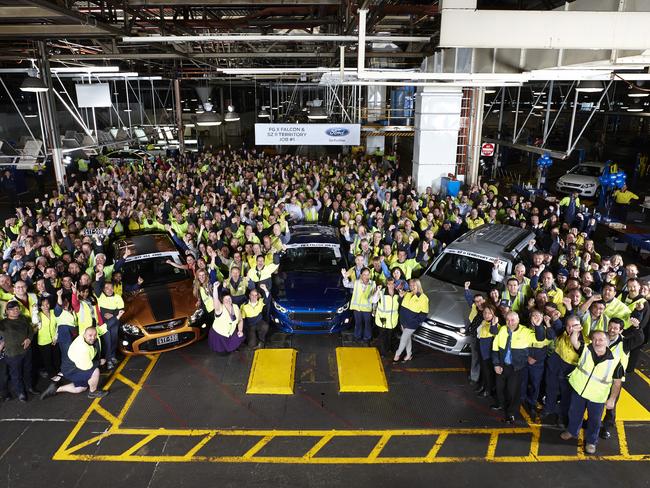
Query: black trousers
[
  {"x": 20, "y": 372},
  {"x": 509, "y": 390},
  {"x": 487, "y": 375},
  {"x": 51, "y": 358},
  {"x": 4, "y": 378},
  {"x": 385, "y": 340},
  {"x": 257, "y": 332}
]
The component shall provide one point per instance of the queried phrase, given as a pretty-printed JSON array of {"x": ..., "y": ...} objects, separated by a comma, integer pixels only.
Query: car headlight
[
  {"x": 462, "y": 331},
  {"x": 279, "y": 307},
  {"x": 343, "y": 308},
  {"x": 196, "y": 316},
  {"x": 588, "y": 185},
  {"x": 131, "y": 329}
]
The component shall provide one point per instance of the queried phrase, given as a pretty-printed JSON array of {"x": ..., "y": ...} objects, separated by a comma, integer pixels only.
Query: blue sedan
[{"x": 308, "y": 296}]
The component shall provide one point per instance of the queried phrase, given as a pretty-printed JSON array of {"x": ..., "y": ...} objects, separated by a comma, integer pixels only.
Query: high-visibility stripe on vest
[
  {"x": 86, "y": 316},
  {"x": 593, "y": 381},
  {"x": 207, "y": 300},
  {"x": 620, "y": 354},
  {"x": 361, "y": 298},
  {"x": 565, "y": 349},
  {"x": 588, "y": 324},
  {"x": 388, "y": 310},
  {"x": 47, "y": 328}
]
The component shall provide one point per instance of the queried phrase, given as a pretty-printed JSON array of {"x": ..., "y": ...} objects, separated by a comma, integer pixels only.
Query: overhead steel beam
[
  {"x": 228, "y": 3},
  {"x": 231, "y": 55},
  {"x": 75, "y": 15},
  {"x": 273, "y": 38},
  {"x": 50, "y": 31},
  {"x": 24, "y": 12},
  {"x": 469, "y": 28}
]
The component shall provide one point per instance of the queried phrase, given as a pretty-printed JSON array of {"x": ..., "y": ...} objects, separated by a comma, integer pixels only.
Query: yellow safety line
[
  {"x": 258, "y": 447},
  {"x": 127, "y": 381},
  {"x": 431, "y": 455},
  {"x": 200, "y": 445},
  {"x": 347, "y": 460},
  {"x": 381, "y": 443},
  {"x": 318, "y": 446},
  {"x": 67, "y": 452},
  {"x": 492, "y": 446},
  {"x": 153, "y": 359},
  {"x": 135, "y": 447},
  {"x": 622, "y": 438}
]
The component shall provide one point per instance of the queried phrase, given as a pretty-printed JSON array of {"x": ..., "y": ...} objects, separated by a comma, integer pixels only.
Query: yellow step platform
[
  {"x": 272, "y": 372},
  {"x": 360, "y": 370}
]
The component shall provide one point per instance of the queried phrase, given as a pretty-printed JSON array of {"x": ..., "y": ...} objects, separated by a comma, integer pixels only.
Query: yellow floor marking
[
  {"x": 273, "y": 372},
  {"x": 360, "y": 370},
  {"x": 138, "y": 445},
  {"x": 381, "y": 443},
  {"x": 200, "y": 445},
  {"x": 629, "y": 409},
  {"x": 68, "y": 452},
  {"x": 440, "y": 440},
  {"x": 258, "y": 447}
]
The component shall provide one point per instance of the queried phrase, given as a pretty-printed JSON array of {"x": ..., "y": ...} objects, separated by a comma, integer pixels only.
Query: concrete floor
[{"x": 184, "y": 419}]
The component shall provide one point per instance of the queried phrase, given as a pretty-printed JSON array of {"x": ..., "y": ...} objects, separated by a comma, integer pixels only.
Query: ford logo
[{"x": 337, "y": 131}]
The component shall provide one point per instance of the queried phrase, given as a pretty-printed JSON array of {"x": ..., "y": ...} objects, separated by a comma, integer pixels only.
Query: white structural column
[
  {"x": 376, "y": 111},
  {"x": 437, "y": 120}
]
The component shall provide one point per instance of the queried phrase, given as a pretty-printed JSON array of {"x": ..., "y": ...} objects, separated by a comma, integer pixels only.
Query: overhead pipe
[{"x": 274, "y": 38}]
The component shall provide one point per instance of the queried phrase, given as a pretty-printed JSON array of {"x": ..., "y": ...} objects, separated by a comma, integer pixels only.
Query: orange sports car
[{"x": 160, "y": 310}]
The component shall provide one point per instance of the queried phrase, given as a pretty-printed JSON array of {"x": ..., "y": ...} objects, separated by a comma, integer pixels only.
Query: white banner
[
  {"x": 93, "y": 95},
  {"x": 307, "y": 134}
]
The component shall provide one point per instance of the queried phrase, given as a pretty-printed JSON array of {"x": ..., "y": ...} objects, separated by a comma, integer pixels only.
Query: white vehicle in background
[{"x": 583, "y": 179}]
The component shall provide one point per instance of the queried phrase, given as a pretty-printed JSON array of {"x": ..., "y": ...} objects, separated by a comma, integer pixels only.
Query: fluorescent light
[
  {"x": 489, "y": 90},
  {"x": 86, "y": 69},
  {"x": 590, "y": 86},
  {"x": 637, "y": 93},
  {"x": 33, "y": 85},
  {"x": 31, "y": 116}
]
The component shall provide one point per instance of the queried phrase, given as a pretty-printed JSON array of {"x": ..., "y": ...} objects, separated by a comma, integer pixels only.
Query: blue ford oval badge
[{"x": 337, "y": 131}]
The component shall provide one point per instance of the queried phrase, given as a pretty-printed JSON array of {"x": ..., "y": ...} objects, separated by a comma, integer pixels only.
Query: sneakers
[
  {"x": 604, "y": 434},
  {"x": 590, "y": 448},
  {"x": 22, "y": 398},
  {"x": 97, "y": 394},
  {"x": 49, "y": 391},
  {"x": 566, "y": 436},
  {"x": 496, "y": 407}
]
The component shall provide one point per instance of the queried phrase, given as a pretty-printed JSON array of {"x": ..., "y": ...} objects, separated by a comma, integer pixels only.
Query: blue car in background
[{"x": 308, "y": 296}]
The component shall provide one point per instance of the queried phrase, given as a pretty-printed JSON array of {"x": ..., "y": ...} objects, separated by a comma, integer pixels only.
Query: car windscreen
[
  {"x": 594, "y": 171},
  {"x": 458, "y": 268},
  {"x": 314, "y": 259},
  {"x": 153, "y": 271}
]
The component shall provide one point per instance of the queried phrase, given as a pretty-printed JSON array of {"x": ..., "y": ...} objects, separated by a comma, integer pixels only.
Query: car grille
[
  {"x": 311, "y": 328},
  {"x": 575, "y": 186},
  {"x": 151, "y": 345},
  {"x": 436, "y": 337},
  {"x": 311, "y": 317},
  {"x": 163, "y": 326}
]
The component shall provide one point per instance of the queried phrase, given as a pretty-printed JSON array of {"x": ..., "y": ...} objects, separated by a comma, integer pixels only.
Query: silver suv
[{"x": 471, "y": 258}]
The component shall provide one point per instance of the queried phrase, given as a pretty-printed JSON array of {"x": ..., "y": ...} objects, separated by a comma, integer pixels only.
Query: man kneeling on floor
[{"x": 81, "y": 367}]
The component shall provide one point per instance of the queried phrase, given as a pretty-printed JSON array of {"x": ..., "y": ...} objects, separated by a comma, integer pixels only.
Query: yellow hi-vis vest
[
  {"x": 565, "y": 349},
  {"x": 362, "y": 298},
  {"x": 207, "y": 300},
  {"x": 86, "y": 317},
  {"x": 223, "y": 324},
  {"x": 82, "y": 354},
  {"x": 47, "y": 329},
  {"x": 66, "y": 318},
  {"x": 588, "y": 324},
  {"x": 516, "y": 304},
  {"x": 311, "y": 214},
  {"x": 250, "y": 311},
  {"x": 620, "y": 354},
  {"x": 593, "y": 381},
  {"x": 387, "y": 313}
]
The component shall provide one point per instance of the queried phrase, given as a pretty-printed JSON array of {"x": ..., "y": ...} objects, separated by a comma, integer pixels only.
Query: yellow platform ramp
[
  {"x": 273, "y": 372},
  {"x": 360, "y": 369}
]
